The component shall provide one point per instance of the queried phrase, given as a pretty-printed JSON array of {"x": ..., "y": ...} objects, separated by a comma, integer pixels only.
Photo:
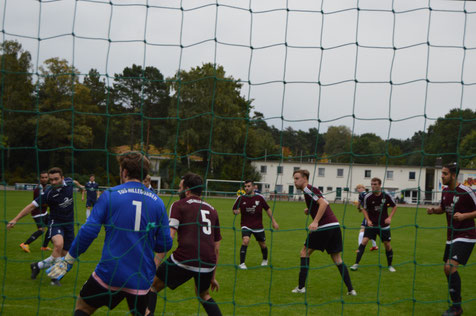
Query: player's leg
[
  {"x": 202, "y": 285},
  {"x": 47, "y": 237},
  {"x": 368, "y": 234},
  {"x": 261, "y": 238},
  {"x": 344, "y": 272},
  {"x": 334, "y": 246},
  {"x": 56, "y": 235},
  {"x": 93, "y": 296},
  {"x": 385, "y": 236},
  {"x": 137, "y": 304},
  {"x": 304, "y": 269},
  {"x": 245, "y": 235}
]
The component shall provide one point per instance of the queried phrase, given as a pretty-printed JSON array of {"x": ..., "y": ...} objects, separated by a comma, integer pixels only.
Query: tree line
[{"x": 196, "y": 120}]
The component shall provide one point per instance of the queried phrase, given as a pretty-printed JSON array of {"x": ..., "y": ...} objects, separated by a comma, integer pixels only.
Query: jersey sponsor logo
[
  {"x": 67, "y": 202},
  {"x": 257, "y": 203},
  {"x": 455, "y": 257}
]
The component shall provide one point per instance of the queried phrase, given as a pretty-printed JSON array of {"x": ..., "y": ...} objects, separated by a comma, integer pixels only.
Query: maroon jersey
[
  {"x": 251, "y": 208},
  {"x": 198, "y": 228},
  {"x": 43, "y": 209},
  {"x": 377, "y": 208},
  {"x": 312, "y": 195},
  {"x": 462, "y": 200}
]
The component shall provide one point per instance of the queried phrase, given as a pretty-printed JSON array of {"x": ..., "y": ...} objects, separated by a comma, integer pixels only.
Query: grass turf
[{"x": 418, "y": 287}]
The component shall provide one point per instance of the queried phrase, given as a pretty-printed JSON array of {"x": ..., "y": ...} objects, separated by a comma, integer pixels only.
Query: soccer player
[
  {"x": 59, "y": 197},
  {"x": 324, "y": 232},
  {"x": 147, "y": 180},
  {"x": 251, "y": 208},
  {"x": 92, "y": 194},
  {"x": 198, "y": 228},
  {"x": 375, "y": 211},
  {"x": 127, "y": 267},
  {"x": 39, "y": 215},
  {"x": 458, "y": 202},
  {"x": 361, "y": 189}
]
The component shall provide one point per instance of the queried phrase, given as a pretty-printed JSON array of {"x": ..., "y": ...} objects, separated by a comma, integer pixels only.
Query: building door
[
  {"x": 291, "y": 190},
  {"x": 338, "y": 194}
]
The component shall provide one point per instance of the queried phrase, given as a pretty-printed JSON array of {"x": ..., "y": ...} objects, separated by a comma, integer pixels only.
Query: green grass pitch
[{"x": 418, "y": 287}]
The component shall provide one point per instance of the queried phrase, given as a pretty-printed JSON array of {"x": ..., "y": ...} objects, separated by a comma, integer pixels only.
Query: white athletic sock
[
  {"x": 88, "y": 212},
  {"x": 374, "y": 243},
  {"x": 361, "y": 236},
  {"x": 48, "y": 262}
]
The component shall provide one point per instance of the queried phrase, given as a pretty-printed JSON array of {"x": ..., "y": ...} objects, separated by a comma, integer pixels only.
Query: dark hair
[
  {"x": 92, "y": 175},
  {"x": 452, "y": 167},
  {"x": 136, "y": 164},
  {"x": 248, "y": 181},
  {"x": 193, "y": 182},
  {"x": 376, "y": 179},
  {"x": 302, "y": 172},
  {"x": 43, "y": 171},
  {"x": 56, "y": 170}
]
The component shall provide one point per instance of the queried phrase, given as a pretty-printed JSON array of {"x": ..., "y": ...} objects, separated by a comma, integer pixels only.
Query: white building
[{"x": 413, "y": 184}]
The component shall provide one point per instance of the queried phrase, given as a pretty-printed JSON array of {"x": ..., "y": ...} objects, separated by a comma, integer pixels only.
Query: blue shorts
[
  {"x": 64, "y": 229},
  {"x": 364, "y": 223},
  {"x": 90, "y": 203}
]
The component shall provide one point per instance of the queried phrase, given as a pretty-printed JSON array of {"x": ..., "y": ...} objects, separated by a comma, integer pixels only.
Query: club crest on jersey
[{"x": 257, "y": 203}]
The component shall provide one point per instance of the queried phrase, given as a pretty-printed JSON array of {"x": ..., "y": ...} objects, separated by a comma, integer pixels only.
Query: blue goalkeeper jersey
[{"x": 136, "y": 225}]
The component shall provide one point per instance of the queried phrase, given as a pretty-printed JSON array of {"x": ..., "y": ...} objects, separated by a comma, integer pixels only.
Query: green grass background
[{"x": 419, "y": 286}]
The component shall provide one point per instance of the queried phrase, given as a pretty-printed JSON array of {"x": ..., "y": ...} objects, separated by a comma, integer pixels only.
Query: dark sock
[
  {"x": 80, "y": 313},
  {"x": 389, "y": 257},
  {"x": 360, "y": 253},
  {"x": 152, "y": 302},
  {"x": 454, "y": 282},
  {"x": 211, "y": 307},
  {"x": 33, "y": 237},
  {"x": 303, "y": 272},
  {"x": 46, "y": 240},
  {"x": 264, "y": 251},
  {"x": 345, "y": 275},
  {"x": 243, "y": 254}
]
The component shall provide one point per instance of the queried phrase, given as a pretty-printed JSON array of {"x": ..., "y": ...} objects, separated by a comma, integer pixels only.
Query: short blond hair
[{"x": 359, "y": 186}]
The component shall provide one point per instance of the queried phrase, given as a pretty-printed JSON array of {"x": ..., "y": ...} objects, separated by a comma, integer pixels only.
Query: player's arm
[
  {"x": 320, "y": 212},
  {"x": 367, "y": 218},
  {"x": 78, "y": 185},
  {"x": 214, "y": 283},
  {"x": 388, "y": 220},
  {"x": 464, "y": 216},
  {"x": 435, "y": 210},
  {"x": 82, "y": 195},
  {"x": 273, "y": 221},
  {"x": 25, "y": 211}
]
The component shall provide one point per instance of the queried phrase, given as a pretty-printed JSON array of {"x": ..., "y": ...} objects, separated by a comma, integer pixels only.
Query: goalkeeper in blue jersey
[{"x": 136, "y": 225}]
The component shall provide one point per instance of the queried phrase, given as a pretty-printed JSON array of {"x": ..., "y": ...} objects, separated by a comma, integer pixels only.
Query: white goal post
[{"x": 264, "y": 187}]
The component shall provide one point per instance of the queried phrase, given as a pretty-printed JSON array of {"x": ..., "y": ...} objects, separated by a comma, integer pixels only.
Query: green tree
[
  {"x": 468, "y": 150},
  {"x": 337, "y": 143}
]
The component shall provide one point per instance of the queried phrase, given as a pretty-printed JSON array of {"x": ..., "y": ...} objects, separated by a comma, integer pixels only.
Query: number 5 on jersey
[{"x": 207, "y": 230}]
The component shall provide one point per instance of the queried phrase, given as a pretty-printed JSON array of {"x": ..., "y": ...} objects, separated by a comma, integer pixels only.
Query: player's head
[
  {"x": 44, "y": 177},
  {"x": 301, "y": 178},
  {"x": 249, "y": 187},
  {"x": 191, "y": 184},
  {"x": 449, "y": 173},
  {"x": 92, "y": 178},
  {"x": 376, "y": 184},
  {"x": 147, "y": 181},
  {"x": 360, "y": 188},
  {"x": 55, "y": 176},
  {"x": 133, "y": 166}
]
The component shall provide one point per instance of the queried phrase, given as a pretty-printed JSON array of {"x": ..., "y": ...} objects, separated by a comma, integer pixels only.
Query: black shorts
[
  {"x": 261, "y": 236},
  {"x": 95, "y": 295},
  {"x": 373, "y": 232},
  {"x": 64, "y": 229},
  {"x": 459, "y": 251},
  {"x": 41, "y": 221},
  {"x": 173, "y": 276},
  {"x": 325, "y": 239},
  {"x": 90, "y": 203}
]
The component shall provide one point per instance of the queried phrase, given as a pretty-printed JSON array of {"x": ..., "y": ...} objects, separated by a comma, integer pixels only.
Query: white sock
[
  {"x": 48, "y": 262},
  {"x": 88, "y": 212},
  {"x": 374, "y": 243},
  {"x": 361, "y": 236}
]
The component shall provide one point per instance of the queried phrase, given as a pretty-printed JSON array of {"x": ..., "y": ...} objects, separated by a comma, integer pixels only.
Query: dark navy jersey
[
  {"x": 361, "y": 198},
  {"x": 91, "y": 191},
  {"x": 43, "y": 209},
  {"x": 60, "y": 201}
]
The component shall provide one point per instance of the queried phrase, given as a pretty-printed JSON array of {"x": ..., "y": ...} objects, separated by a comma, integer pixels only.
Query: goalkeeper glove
[{"x": 61, "y": 267}]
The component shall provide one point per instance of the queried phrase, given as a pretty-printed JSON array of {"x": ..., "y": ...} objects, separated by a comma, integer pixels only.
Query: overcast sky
[{"x": 267, "y": 43}]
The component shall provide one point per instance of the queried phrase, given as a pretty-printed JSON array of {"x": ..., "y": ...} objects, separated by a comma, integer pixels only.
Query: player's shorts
[
  {"x": 173, "y": 276},
  {"x": 90, "y": 203},
  {"x": 95, "y": 295},
  {"x": 364, "y": 223},
  {"x": 325, "y": 239},
  {"x": 64, "y": 229},
  {"x": 41, "y": 221},
  {"x": 260, "y": 236},
  {"x": 459, "y": 251},
  {"x": 373, "y": 232}
]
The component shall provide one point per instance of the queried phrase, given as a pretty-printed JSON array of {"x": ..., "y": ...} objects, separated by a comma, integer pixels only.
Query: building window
[
  {"x": 329, "y": 189},
  {"x": 264, "y": 169},
  {"x": 412, "y": 175},
  {"x": 321, "y": 172},
  {"x": 390, "y": 174},
  {"x": 279, "y": 188},
  {"x": 340, "y": 172},
  {"x": 321, "y": 189},
  {"x": 295, "y": 169},
  {"x": 280, "y": 169},
  {"x": 368, "y": 173}
]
